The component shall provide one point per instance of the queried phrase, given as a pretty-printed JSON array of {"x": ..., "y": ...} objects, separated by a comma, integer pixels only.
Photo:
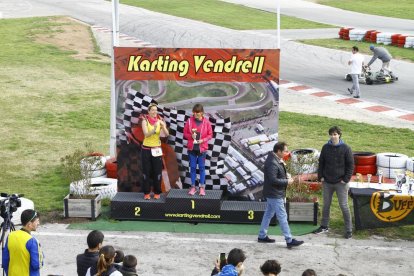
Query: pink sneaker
[
  {"x": 192, "y": 191},
  {"x": 202, "y": 191}
]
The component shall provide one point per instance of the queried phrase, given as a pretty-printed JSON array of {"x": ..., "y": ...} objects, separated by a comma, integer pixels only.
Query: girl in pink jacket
[{"x": 198, "y": 132}]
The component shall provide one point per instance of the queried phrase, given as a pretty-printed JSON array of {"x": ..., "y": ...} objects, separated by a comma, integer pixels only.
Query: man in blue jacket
[
  {"x": 274, "y": 190},
  {"x": 22, "y": 255},
  {"x": 336, "y": 165}
]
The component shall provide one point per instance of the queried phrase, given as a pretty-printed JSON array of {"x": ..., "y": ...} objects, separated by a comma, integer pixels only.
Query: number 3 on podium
[{"x": 250, "y": 214}]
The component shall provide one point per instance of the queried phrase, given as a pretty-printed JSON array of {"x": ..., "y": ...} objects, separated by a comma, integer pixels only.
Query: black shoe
[
  {"x": 348, "y": 235},
  {"x": 266, "y": 240},
  {"x": 350, "y": 91},
  {"x": 356, "y": 97},
  {"x": 294, "y": 243},
  {"x": 321, "y": 229}
]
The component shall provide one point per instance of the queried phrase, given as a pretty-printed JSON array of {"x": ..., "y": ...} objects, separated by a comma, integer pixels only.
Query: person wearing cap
[
  {"x": 382, "y": 54},
  {"x": 151, "y": 153},
  {"x": 22, "y": 255}
]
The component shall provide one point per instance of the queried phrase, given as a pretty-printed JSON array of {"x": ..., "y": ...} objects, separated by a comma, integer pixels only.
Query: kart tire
[
  {"x": 365, "y": 169},
  {"x": 368, "y": 81},
  {"x": 390, "y": 172},
  {"x": 362, "y": 158},
  {"x": 392, "y": 160},
  {"x": 303, "y": 160},
  {"x": 410, "y": 164},
  {"x": 348, "y": 77}
]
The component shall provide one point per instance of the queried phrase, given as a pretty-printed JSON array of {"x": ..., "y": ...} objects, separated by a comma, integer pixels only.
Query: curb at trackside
[{"x": 346, "y": 100}]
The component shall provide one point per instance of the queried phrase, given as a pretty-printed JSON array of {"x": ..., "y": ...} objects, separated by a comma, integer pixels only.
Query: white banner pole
[
  {"x": 278, "y": 24},
  {"x": 115, "y": 43}
]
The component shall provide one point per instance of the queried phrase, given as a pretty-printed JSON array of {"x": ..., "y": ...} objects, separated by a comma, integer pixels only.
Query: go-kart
[{"x": 369, "y": 77}]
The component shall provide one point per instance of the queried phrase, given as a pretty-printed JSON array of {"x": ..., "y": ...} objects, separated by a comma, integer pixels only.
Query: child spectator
[
  {"x": 119, "y": 258},
  {"x": 271, "y": 268},
  {"x": 129, "y": 265},
  {"x": 234, "y": 265},
  {"x": 309, "y": 272},
  {"x": 105, "y": 265},
  {"x": 90, "y": 256}
]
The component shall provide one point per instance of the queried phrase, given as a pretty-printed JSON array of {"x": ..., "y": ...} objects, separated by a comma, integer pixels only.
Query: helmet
[{"x": 371, "y": 47}]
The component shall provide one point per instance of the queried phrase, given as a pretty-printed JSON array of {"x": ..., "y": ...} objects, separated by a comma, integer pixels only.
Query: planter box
[
  {"x": 302, "y": 211},
  {"x": 82, "y": 207}
]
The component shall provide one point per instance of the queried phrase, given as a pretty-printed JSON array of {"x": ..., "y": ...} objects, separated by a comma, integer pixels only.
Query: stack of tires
[
  {"x": 111, "y": 166},
  {"x": 409, "y": 42},
  {"x": 368, "y": 35},
  {"x": 105, "y": 187},
  {"x": 401, "y": 40},
  {"x": 391, "y": 163},
  {"x": 94, "y": 166},
  {"x": 410, "y": 164},
  {"x": 365, "y": 162},
  {"x": 304, "y": 161},
  {"x": 374, "y": 35},
  {"x": 384, "y": 38},
  {"x": 344, "y": 33},
  {"x": 357, "y": 34},
  {"x": 394, "y": 39}
]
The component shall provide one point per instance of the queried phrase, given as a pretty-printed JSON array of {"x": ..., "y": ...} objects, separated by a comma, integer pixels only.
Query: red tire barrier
[
  {"x": 373, "y": 37},
  {"x": 311, "y": 179},
  {"x": 365, "y": 169},
  {"x": 394, "y": 39},
  {"x": 368, "y": 35},
  {"x": 95, "y": 154},
  {"x": 111, "y": 168},
  {"x": 362, "y": 158}
]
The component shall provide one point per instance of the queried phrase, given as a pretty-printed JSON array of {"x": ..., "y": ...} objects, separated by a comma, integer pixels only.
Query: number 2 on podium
[
  {"x": 250, "y": 214},
  {"x": 137, "y": 211},
  {"x": 192, "y": 204}
]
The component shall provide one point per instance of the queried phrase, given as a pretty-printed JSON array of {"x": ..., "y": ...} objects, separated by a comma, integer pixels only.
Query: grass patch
[
  {"x": 346, "y": 45},
  {"x": 224, "y": 14},
  {"x": 51, "y": 104},
  {"x": 402, "y": 9}
]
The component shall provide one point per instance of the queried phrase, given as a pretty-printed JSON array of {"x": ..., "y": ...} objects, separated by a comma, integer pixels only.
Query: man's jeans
[
  {"x": 341, "y": 190},
  {"x": 275, "y": 205},
  {"x": 355, "y": 84}
]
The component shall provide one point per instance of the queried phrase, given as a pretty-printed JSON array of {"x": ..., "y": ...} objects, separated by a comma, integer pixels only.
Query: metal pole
[
  {"x": 278, "y": 24},
  {"x": 115, "y": 43}
]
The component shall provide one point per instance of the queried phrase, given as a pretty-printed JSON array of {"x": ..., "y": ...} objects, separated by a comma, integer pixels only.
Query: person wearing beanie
[{"x": 22, "y": 254}]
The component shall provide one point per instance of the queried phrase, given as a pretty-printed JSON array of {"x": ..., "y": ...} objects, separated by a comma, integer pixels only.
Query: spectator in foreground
[
  {"x": 119, "y": 258},
  {"x": 22, "y": 253},
  {"x": 309, "y": 272},
  {"x": 90, "y": 256},
  {"x": 105, "y": 265},
  {"x": 271, "y": 268},
  {"x": 234, "y": 265},
  {"x": 129, "y": 266}
]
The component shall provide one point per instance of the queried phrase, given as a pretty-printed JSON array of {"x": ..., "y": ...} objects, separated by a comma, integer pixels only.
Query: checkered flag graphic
[{"x": 137, "y": 102}]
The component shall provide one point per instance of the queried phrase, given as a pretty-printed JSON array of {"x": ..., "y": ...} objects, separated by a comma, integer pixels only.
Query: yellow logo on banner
[{"x": 391, "y": 207}]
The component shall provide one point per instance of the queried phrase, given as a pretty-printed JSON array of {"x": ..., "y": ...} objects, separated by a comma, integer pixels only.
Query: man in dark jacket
[
  {"x": 336, "y": 165},
  {"x": 90, "y": 256},
  {"x": 274, "y": 190}
]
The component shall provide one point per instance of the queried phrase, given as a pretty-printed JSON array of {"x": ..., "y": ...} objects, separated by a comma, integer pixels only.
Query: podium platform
[{"x": 177, "y": 205}]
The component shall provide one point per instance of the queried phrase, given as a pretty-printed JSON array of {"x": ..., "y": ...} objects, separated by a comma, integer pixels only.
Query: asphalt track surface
[{"x": 313, "y": 66}]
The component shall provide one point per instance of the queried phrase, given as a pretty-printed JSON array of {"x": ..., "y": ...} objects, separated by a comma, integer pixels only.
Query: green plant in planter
[
  {"x": 301, "y": 190},
  {"x": 78, "y": 168}
]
